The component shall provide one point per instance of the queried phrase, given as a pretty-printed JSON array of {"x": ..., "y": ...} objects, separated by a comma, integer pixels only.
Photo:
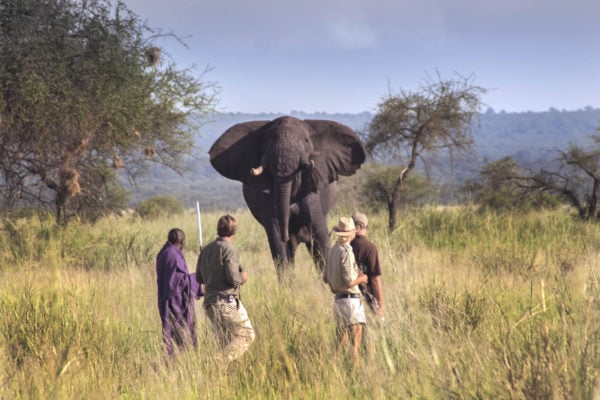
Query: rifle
[
  {"x": 367, "y": 293},
  {"x": 199, "y": 223}
]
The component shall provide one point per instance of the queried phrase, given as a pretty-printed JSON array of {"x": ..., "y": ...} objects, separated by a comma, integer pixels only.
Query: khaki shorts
[{"x": 349, "y": 311}]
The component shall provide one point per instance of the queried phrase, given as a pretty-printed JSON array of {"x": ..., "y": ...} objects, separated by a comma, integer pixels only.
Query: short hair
[
  {"x": 176, "y": 236},
  {"x": 359, "y": 225},
  {"x": 226, "y": 226}
]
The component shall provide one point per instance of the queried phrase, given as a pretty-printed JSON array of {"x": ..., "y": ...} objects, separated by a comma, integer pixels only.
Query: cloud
[{"x": 350, "y": 35}]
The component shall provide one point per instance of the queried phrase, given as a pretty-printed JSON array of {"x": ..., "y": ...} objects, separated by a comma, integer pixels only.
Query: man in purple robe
[{"x": 177, "y": 290}]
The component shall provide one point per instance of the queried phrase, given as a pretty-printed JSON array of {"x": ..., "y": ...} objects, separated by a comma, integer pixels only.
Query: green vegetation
[
  {"x": 159, "y": 206},
  {"x": 478, "y": 305},
  {"x": 416, "y": 126},
  {"x": 87, "y": 100},
  {"x": 501, "y": 186}
]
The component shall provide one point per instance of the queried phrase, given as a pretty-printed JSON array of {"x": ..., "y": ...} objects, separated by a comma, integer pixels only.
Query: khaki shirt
[
  {"x": 218, "y": 268},
  {"x": 341, "y": 269}
]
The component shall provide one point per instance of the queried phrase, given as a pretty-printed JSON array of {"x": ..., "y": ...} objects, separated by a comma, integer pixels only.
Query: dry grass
[{"x": 478, "y": 306}]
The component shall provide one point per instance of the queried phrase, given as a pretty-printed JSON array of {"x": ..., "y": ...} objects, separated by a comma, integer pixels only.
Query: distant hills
[{"x": 529, "y": 137}]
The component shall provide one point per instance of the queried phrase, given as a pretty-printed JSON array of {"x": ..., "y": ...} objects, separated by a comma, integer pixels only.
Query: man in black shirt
[{"x": 367, "y": 258}]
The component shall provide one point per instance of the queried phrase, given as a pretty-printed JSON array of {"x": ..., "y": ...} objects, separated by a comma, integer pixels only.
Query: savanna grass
[{"x": 477, "y": 306}]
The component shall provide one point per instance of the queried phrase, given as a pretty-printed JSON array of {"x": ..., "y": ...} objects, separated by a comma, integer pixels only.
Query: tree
[
  {"x": 373, "y": 184},
  {"x": 413, "y": 126},
  {"x": 86, "y": 97},
  {"x": 504, "y": 186},
  {"x": 574, "y": 176}
]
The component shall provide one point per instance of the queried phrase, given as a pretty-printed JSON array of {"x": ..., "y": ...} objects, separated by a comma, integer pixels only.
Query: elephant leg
[
  {"x": 259, "y": 204},
  {"x": 280, "y": 251}
]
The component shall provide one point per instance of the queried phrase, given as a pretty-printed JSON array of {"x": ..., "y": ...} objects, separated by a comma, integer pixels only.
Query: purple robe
[{"x": 177, "y": 290}]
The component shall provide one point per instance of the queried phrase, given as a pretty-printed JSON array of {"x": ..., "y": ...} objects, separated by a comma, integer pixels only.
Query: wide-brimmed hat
[
  {"x": 345, "y": 227},
  {"x": 360, "y": 218}
]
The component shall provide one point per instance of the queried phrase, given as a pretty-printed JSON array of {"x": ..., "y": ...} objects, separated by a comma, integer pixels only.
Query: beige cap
[{"x": 360, "y": 218}]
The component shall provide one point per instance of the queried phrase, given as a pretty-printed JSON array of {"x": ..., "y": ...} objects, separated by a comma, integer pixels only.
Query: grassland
[{"x": 477, "y": 306}]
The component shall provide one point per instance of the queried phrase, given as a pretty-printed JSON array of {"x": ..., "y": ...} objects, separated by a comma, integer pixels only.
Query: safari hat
[
  {"x": 345, "y": 227},
  {"x": 360, "y": 218}
]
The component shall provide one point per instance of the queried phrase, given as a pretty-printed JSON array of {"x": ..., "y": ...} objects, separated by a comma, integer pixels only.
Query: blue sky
[{"x": 346, "y": 55}]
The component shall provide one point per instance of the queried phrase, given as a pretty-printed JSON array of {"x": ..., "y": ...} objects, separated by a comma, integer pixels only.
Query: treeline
[{"x": 532, "y": 139}]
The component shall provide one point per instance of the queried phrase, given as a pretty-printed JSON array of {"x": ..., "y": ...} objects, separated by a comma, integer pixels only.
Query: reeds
[{"x": 477, "y": 306}]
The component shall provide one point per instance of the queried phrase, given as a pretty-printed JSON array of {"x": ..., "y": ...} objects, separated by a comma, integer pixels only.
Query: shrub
[{"x": 159, "y": 206}]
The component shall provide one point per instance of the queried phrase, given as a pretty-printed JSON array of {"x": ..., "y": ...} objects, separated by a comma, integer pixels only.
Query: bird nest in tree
[
  {"x": 69, "y": 178},
  {"x": 117, "y": 162},
  {"x": 149, "y": 151},
  {"x": 152, "y": 56}
]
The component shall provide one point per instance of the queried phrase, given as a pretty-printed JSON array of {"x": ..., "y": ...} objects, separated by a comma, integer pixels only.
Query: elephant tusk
[{"x": 257, "y": 171}]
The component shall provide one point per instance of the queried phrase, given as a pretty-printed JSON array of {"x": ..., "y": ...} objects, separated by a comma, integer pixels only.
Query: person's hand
[
  {"x": 362, "y": 278},
  {"x": 380, "y": 316}
]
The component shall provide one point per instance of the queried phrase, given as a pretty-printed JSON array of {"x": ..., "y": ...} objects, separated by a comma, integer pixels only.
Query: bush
[{"x": 159, "y": 206}]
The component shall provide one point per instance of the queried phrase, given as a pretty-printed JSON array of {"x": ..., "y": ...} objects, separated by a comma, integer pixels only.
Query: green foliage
[
  {"x": 412, "y": 127},
  {"x": 502, "y": 186},
  {"x": 81, "y": 100},
  {"x": 159, "y": 206},
  {"x": 372, "y": 186},
  {"x": 574, "y": 176}
]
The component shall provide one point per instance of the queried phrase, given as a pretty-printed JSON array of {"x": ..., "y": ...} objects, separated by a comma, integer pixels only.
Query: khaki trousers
[{"x": 232, "y": 327}]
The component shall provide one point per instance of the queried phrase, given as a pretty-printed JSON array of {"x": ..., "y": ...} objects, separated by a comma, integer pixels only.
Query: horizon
[{"x": 488, "y": 110}]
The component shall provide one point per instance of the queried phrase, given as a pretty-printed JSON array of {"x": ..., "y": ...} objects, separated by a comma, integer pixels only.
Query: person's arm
[
  {"x": 198, "y": 274},
  {"x": 347, "y": 271},
  {"x": 233, "y": 270},
  {"x": 361, "y": 278},
  {"x": 378, "y": 293}
]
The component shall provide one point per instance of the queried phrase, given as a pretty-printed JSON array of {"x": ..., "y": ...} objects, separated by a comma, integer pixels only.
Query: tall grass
[{"x": 477, "y": 306}]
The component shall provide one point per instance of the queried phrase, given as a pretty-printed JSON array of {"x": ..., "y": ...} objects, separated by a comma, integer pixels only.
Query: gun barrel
[{"x": 199, "y": 223}]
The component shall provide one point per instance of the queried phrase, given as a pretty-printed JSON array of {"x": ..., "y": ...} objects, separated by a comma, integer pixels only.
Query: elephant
[{"x": 289, "y": 169}]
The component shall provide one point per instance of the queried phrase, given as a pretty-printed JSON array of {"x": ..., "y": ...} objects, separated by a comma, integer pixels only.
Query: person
[
  {"x": 219, "y": 270},
  {"x": 367, "y": 258},
  {"x": 177, "y": 291},
  {"x": 343, "y": 276}
]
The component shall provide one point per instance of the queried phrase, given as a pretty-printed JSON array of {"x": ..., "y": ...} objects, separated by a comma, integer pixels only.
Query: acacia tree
[
  {"x": 413, "y": 126},
  {"x": 85, "y": 94},
  {"x": 574, "y": 176},
  {"x": 502, "y": 185}
]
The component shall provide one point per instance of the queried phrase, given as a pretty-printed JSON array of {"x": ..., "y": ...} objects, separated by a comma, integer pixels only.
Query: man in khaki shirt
[
  {"x": 220, "y": 272},
  {"x": 343, "y": 276}
]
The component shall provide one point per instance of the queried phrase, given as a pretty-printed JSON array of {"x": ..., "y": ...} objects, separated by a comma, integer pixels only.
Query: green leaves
[{"x": 77, "y": 92}]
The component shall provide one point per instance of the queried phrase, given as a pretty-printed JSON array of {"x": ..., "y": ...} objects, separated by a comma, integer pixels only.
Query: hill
[{"x": 530, "y": 137}]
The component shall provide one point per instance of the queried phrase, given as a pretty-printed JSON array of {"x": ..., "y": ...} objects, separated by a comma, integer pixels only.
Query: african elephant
[{"x": 289, "y": 168}]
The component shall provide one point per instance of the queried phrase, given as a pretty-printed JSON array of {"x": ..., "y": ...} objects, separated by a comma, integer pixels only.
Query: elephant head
[{"x": 286, "y": 163}]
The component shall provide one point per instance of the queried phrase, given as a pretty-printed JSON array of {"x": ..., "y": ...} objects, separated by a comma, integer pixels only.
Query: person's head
[
  {"x": 345, "y": 230},
  {"x": 227, "y": 226},
  {"x": 176, "y": 237},
  {"x": 360, "y": 221}
]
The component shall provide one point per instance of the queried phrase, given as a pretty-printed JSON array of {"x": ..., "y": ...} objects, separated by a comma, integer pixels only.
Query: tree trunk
[
  {"x": 592, "y": 213},
  {"x": 392, "y": 215},
  {"x": 61, "y": 214},
  {"x": 394, "y": 200}
]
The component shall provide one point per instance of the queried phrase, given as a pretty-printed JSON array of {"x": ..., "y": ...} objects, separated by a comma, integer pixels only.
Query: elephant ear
[
  {"x": 237, "y": 151},
  {"x": 338, "y": 151}
]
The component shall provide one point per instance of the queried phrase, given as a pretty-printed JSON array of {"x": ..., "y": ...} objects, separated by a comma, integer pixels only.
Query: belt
[
  {"x": 228, "y": 298},
  {"x": 347, "y": 296}
]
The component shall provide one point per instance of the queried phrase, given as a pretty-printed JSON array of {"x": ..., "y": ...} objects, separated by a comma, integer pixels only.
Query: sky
[{"x": 345, "y": 56}]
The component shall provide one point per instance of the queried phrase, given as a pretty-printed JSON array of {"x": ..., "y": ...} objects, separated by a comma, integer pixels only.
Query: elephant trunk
[{"x": 282, "y": 196}]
